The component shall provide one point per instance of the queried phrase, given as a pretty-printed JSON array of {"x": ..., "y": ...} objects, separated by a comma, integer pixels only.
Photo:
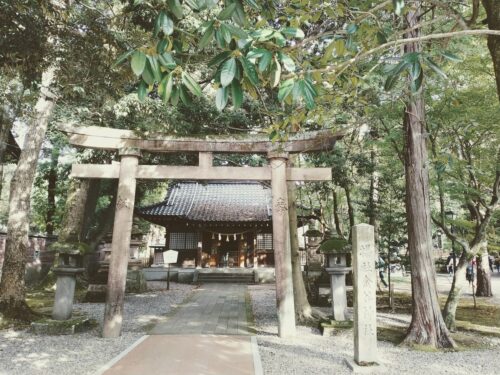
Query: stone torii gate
[{"x": 129, "y": 147}]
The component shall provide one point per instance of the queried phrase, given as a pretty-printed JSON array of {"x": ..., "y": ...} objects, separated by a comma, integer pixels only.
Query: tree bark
[
  {"x": 73, "y": 219},
  {"x": 493, "y": 17},
  {"x": 51, "y": 191},
  {"x": 12, "y": 287},
  {"x": 427, "y": 326},
  {"x": 457, "y": 286},
  {"x": 90, "y": 207},
  {"x": 483, "y": 288},
  {"x": 338, "y": 225}
]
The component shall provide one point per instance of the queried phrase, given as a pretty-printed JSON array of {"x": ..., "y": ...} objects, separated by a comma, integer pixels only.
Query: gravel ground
[
  {"x": 24, "y": 353},
  {"x": 310, "y": 353}
]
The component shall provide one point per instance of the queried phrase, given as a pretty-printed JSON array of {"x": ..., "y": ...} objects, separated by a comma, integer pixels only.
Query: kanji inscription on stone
[{"x": 365, "y": 283}]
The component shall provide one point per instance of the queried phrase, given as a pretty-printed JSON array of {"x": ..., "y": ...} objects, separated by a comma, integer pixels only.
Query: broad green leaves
[
  {"x": 228, "y": 72},
  {"x": 138, "y": 62}
]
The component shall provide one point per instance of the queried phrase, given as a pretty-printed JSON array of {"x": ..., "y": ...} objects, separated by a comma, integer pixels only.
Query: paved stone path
[
  {"x": 207, "y": 335},
  {"x": 218, "y": 309}
]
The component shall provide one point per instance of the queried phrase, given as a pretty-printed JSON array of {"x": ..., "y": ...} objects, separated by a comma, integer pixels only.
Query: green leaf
[
  {"x": 307, "y": 94},
  {"x": 174, "y": 98},
  {"x": 138, "y": 62},
  {"x": 142, "y": 90},
  {"x": 280, "y": 39},
  {"x": 227, "y": 12},
  {"x": 417, "y": 82},
  {"x": 165, "y": 87},
  {"x": 431, "y": 64},
  {"x": 161, "y": 45},
  {"x": 221, "y": 98},
  {"x": 390, "y": 82},
  {"x": 175, "y": 8},
  {"x": 155, "y": 68},
  {"x": 184, "y": 95},
  {"x": 253, "y": 4},
  {"x": 249, "y": 70},
  {"x": 265, "y": 60},
  {"x": 275, "y": 73},
  {"x": 236, "y": 31},
  {"x": 219, "y": 38},
  {"x": 239, "y": 14},
  {"x": 228, "y": 72},
  {"x": 122, "y": 58},
  {"x": 287, "y": 61},
  {"x": 225, "y": 33},
  {"x": 398, "y": 6},
  {"x": 148, "y": 74},
  {"x": 207, "y": 36},
  {"x": 285, "y": 89},
  {"x": 191, "y": 84},
  {"x": 293, "y": 32},
  {"x": 415, "y": 70},
  {"x": 167, "y": 60},
  {"x": 167, "y": 25},
  {"x": 351, "y": 28},
  {"x": 450, "y": 56},
  {"x": 219, "y": 58},
  {"x": 237, "y": 94}
]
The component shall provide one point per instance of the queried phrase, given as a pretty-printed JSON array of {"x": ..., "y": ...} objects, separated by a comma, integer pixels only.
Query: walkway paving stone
[
  {"x": 213, "y": 309},
  {"x": 207, "y": 335}
]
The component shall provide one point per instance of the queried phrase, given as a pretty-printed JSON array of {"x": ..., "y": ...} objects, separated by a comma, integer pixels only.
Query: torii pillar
[
  {"x": 120, "y": 246},
  {"x": 281, "y": 244}
]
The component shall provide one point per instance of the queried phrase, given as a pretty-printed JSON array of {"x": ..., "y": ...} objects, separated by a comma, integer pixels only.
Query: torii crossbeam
[{"x": 129, "y": 145}]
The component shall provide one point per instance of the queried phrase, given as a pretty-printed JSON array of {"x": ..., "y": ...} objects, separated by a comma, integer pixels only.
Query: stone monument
[{"x": 365, "y": 299}]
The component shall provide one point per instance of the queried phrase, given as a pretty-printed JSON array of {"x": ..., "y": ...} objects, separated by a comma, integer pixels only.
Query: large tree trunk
[
  {"x": 90, "y": 207},
  {"x": 338, "y": 224},
  {"x": 51, "y": 191},
  {"x": 457, "y": 286},
  {"x": 483, "y": 288},
  {"x": 12, "y": 287},
  {"x": 73, "y": 219},
  {"x": 427, "y": 326},
  {"x": 493, "y": 17}
]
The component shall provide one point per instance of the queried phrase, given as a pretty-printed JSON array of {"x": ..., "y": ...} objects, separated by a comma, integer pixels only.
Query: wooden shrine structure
[{"x": 128, "y": 171}]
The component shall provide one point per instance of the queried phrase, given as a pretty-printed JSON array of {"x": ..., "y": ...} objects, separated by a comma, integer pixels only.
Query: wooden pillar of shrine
[
  {"x": 281, "y": 245},
  {"x": 120, "y": 246}
]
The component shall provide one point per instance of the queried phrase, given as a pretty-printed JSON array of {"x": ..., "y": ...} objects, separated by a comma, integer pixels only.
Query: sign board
[{"x": 170, "y": 256}]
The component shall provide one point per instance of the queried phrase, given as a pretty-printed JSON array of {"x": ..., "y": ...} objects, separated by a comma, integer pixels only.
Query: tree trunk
[
  {"x": 457, "y": 286},
  {"x": 7, "y": 118},
  {"x": 427, "y": 326},
  {"x": 51, "y": 191},
  {"x": 493, "y": 17},
  {"x": 12, "y": 287},
  {"x": 72, "y": 222},
  {"x": 483, "y": 288},
  {"x": 338, "y": 226},
  {"x": 90, "y": 207}
]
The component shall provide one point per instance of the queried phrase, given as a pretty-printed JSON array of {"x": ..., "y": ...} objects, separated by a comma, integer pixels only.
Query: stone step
[{"x": 238, "y": 278}]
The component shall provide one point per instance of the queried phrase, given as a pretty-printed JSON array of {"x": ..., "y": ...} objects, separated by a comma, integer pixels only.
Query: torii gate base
[{"x": 129, "y": 171}]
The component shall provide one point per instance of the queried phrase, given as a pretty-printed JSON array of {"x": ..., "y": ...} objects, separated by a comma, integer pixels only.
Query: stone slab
[{"x": 61, "y": 327}]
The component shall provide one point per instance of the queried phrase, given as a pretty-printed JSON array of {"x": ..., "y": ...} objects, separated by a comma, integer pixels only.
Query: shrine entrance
[{"x": 129, "y": 147}]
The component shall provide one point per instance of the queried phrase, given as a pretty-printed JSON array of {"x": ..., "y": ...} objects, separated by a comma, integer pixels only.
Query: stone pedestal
[
  {"x": 65, "y": 292},
  {"x": 339, "y": 292},
  {"x": 365, "y": 301}
]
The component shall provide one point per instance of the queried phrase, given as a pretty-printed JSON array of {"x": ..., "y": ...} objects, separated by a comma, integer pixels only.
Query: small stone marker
[{"x": 365, "y": 299}]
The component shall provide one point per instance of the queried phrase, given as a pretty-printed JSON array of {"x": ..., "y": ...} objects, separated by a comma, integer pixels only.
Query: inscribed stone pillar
[
  {"x": 122, "y": 229},
  {"x": 365, "y": 302},
  {"x": 281, "y": 245}
]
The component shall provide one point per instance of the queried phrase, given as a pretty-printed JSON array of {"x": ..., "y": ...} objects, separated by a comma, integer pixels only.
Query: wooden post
[
  {"x": 122, "y": 229},
  {"x": 281, "y": 245}
]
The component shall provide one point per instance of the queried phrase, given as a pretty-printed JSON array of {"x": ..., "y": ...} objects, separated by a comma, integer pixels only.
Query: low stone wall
[{"x": 38, "y": 259}]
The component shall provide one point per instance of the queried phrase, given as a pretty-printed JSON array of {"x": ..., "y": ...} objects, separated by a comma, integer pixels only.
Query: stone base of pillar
[
  {"x": 338, "y": 291},
  {"x": 368, "y": 368},
  {"x": 65, "y": 292}
]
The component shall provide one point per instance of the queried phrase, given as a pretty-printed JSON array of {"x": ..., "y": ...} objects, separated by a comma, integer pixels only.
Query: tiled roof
[{"x": 214, "y": 202}]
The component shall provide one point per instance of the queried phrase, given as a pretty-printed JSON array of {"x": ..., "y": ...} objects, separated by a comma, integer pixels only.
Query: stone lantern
[
  {"x": 335, "y": 251},
  {"x": 69, "y": 265}
]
